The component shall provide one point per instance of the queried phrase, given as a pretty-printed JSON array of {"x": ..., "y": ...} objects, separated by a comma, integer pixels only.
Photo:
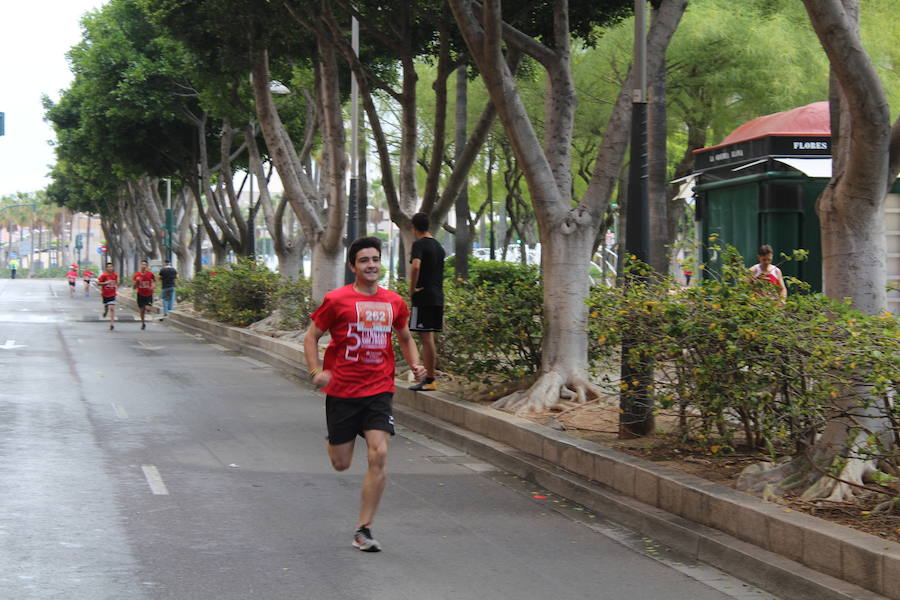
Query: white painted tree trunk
[
  {"x": 327, "y": 271},
  {"x": 567, "y": 228},
  {"x": 851, "y": 213},
  {"x": 565, "y": 258}
]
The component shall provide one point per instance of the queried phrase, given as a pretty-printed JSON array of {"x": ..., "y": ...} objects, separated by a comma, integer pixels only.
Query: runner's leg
[
  {"x": 341, "y": 455},
  {"x": 376, "y": 475}
]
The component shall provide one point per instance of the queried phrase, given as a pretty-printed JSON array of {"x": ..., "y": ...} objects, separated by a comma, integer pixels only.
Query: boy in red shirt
[
  {"x": 72, "y": 277},
  {"x": 144, "y": 281},
  {"x": 109, "y": 283},
  {"x": 358, "y": 372}
]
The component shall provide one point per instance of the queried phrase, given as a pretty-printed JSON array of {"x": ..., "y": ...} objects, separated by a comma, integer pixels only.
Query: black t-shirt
[
  {"x": 431, "y": 272},
  {"x": 167, "y": 275}
]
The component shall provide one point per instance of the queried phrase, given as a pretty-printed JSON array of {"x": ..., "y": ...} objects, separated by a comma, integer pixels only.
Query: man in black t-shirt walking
[
  {"x": 168, "y": 275},
  {"x": 426, "y": 293}
]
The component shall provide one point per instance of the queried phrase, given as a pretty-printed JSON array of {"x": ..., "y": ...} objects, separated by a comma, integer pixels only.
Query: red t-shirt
[
  {"x": 144, "y": 281},
  {"x": 108, "y": 283},
  {"x": 72, "y": 276},
  {"x": 87, "y": 275},
  {"x": 360, "y": 355}
]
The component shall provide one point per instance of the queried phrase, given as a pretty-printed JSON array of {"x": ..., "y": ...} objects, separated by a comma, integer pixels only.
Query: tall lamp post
[
  {"x": 353, "y": 217},
  {"x": 170, "y": 221},
  {"x": 635, "y": 404}
]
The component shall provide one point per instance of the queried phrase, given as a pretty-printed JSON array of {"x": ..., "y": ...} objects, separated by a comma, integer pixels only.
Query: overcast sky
[{"x": 36, "y": 36}]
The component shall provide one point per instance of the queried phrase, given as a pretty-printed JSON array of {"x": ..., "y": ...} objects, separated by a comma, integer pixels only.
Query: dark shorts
[
  {"x": 426, "y": 318},
  {"x": 72, "y": 283},
  {"x": 109, "y": 300},
  {"x": 348, "y": 417},
  {"x": 144, "y": 300}
]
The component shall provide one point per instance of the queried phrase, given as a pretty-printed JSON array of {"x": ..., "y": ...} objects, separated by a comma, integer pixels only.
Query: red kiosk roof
[{"x": 811, "y": 120}]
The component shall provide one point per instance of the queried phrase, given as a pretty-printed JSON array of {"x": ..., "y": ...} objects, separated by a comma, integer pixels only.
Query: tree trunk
[
  {"x": 462, "y": 240},
  {"x": 851, "y": 213},
  {"x": 567, "y": 231},
  {"x": 657, "y": 184}
]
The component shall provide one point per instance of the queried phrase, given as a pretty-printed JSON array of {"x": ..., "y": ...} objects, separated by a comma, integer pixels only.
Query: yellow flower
[{"x": 601, "y": 339}]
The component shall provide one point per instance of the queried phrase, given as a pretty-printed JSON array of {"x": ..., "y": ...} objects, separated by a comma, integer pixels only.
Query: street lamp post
[
  {"x": 353, "y": 217},
  {"x": 170, "y": 221},
  {"x": 635, "y": 404}
]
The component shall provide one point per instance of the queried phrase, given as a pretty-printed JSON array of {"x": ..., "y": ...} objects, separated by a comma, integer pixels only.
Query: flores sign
[{"x": 784, "y": 146}]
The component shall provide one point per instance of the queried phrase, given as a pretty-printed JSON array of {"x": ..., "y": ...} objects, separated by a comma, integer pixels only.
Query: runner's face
[
  {"x": 367, "y": 266},
  {"x": 765, "y": 260},
  {"x": 143, "y": 266}
]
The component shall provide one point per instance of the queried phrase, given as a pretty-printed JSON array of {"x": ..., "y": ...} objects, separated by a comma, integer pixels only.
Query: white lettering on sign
[
  {"x": 726, "y": 154},
  {"x": 810, "y": 145}
]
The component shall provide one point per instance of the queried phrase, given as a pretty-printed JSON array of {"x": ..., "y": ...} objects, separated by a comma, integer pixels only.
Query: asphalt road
[{"x": 152, "y": 465}]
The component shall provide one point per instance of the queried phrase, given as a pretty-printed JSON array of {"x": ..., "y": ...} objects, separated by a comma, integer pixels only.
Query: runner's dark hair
[
  {"x": 765, "y": 249},
  {"x": 359, "y": 244}
]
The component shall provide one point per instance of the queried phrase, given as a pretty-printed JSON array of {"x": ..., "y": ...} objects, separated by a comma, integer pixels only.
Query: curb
[{"x": 791, "y": 554}]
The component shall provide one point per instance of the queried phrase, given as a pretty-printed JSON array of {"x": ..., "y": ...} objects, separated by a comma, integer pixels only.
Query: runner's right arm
[{"x": 319, "y": 377}]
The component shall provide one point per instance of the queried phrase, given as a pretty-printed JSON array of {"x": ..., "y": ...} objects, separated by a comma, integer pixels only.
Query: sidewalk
[{"x": 793, "y": 555}]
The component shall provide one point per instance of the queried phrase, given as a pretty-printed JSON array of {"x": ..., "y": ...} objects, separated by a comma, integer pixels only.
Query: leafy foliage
[
  {"x": 492, "y": 323},
  {"x": 239, "y": 294},
  {"x": 732, "y": 361},
  {"x": 295, "y": 303}
]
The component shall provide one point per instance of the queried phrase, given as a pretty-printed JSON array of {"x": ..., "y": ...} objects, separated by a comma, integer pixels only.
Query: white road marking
[
  {"x": 150, "y": 348},
  {"x": 10, "y": 345},
  {"x": 120, "y": 411},
  {"x": 154, "y": 479}
]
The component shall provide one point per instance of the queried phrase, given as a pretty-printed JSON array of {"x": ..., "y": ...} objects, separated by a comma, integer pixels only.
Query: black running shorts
[
  {"x": 349, "y": 417},
  {"x": 144, "y": 300},
  {"x": 426, "y": 318},
  {"x": 109, "y": 300}
]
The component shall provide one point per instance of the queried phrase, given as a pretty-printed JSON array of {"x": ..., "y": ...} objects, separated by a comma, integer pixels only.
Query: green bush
[
  {"x": 239, "y": 294},
  {"x": 729, "y": 358},
  {"x": 492, "y": 323},
  {"x": 293, "y": 300}
]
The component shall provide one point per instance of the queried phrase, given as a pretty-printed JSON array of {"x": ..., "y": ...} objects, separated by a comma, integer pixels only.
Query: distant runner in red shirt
[
  {"x": 358, "y": 372},
  {"x": 72, "y": 277},
  {"x": 109, "y": 283},
  {"x": 144, "y": 281},
  {"x": 86, "y": 276}
]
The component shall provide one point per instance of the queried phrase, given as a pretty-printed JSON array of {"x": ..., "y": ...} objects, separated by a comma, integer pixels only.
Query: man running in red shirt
[
  {"x": 144, "y": 281},
  {"x": 109, "y": 283},
  {"x": 72, "y": 277},
  {"x": 357, "y": 374}
]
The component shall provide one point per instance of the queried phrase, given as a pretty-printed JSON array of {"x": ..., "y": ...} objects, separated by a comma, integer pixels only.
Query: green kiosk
[{"x": 759, "y": 186}]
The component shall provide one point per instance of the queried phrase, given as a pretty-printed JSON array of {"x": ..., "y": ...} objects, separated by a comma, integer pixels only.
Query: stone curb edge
[{"x": 743, "y": 535}]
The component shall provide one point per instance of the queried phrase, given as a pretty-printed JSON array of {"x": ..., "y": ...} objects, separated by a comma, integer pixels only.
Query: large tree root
[
  {"x": 547, "y": 392},
  {"x": 830, "y": 479}
]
